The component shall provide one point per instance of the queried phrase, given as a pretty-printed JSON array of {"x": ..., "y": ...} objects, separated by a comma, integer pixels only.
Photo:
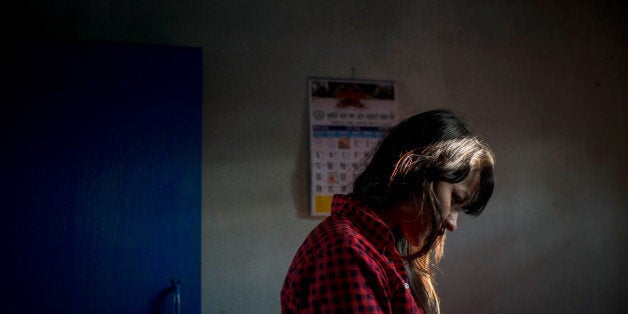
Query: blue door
[{"x": 100, "y": 178}]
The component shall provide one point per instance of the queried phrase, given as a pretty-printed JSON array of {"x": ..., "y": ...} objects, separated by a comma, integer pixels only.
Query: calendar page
[{"x": 348, "y": 118}]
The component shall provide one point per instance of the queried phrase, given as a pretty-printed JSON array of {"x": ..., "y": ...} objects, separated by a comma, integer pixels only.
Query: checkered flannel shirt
[{"x": 348, "y": 264}]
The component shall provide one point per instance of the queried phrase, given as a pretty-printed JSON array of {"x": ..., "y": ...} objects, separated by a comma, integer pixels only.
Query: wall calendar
[{"x": 348, "y": 118}]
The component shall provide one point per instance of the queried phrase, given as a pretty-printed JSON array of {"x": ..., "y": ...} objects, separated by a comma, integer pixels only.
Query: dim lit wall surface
[{"x": 545, "y": 84}]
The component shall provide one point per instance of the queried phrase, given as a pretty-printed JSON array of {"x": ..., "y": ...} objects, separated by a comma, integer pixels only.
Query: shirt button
[{"x": 406, "y": 285}]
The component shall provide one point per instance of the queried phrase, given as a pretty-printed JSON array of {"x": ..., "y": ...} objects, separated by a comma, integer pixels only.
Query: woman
[{"x": 372, "y": 254}]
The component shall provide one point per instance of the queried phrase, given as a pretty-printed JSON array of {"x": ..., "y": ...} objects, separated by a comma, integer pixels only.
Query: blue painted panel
[{"x": 100, "y": 178}]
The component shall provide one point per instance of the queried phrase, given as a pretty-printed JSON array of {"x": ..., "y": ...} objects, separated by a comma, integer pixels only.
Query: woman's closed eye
[{"x": 458, "y": 200}]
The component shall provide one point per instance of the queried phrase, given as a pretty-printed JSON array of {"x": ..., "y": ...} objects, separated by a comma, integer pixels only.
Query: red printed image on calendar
[{"x": 348, "y": 118}]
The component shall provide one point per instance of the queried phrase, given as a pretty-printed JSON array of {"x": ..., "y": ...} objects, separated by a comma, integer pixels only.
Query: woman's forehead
[{"x": 471, "y": 183}]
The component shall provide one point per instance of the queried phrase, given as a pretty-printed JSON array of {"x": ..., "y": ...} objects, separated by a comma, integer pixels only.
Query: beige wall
[{"x": 545, "y": 84}]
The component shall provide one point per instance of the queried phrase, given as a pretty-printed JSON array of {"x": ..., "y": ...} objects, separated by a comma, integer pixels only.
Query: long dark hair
[{"x": 418, "y": 152}]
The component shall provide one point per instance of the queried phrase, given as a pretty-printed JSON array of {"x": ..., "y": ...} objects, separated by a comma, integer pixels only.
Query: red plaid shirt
[{"x": 349, "y": 264}]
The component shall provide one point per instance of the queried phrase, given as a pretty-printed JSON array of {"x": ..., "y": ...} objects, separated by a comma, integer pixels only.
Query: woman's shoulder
[
  {"x": 342, "y": 235},
  {"x": 336, "y": 230}
]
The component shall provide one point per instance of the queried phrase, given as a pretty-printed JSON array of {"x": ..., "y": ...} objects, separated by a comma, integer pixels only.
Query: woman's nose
[{"x": 451, "y": 222}]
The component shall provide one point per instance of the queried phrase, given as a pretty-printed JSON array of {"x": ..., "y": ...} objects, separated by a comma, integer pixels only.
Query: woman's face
[{"x": 452, "y": 196}]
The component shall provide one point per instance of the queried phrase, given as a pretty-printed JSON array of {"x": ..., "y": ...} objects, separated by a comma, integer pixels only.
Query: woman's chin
[{"x": 414, "y": 243}]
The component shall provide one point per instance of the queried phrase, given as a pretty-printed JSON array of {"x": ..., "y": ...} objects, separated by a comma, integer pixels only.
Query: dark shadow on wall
[{"x": 300, "y": 176}]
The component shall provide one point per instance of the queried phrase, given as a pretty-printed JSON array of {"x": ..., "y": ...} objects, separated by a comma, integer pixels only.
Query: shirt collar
[{"x": 369, "y": 223}]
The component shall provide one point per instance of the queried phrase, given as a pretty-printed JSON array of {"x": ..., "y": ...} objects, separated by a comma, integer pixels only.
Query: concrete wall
[{"x": 544, "y": 83}]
